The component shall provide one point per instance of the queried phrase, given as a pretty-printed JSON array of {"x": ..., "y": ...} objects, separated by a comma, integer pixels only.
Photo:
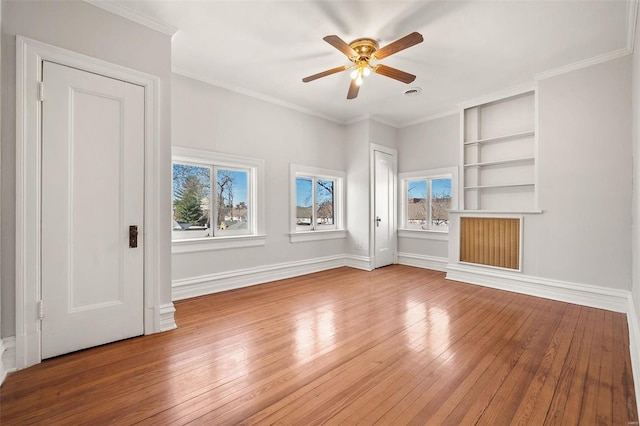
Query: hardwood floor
[{"x": 399, "y": 345}]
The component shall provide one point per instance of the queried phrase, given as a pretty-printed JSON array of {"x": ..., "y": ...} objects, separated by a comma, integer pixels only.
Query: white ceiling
[{"x": 471, "y": 48}]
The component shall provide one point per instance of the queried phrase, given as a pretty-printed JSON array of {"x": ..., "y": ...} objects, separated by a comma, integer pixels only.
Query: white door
[
  {"x": 92, "y": 192},
  {"x": 384, "y": 217}
]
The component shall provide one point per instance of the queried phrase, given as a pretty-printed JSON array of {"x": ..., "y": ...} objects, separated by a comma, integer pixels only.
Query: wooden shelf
[
  {"x": 509, "y": 185},
  {"x": 519, "y": 160},
  {"x": 521, "y": 135}
]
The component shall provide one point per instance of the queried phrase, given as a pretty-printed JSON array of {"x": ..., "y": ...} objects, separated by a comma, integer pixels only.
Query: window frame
[
  {"x": 426, "y": 175},
  {"x": 335, "y": 231},
  {"x": 255, "y": 198}
]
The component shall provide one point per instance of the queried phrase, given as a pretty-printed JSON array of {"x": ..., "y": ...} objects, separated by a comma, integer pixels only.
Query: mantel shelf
[
  {"x": 518, "y": 160},
  {"x": 520, "y": 135},
  {"x": 509, "y": 185}
]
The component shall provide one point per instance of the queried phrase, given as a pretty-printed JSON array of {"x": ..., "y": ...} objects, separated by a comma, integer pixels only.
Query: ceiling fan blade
[
  {"x": 324, "y": 73},
  {"x": 394, "y": 73},
  {"x": 353, "y": 90},
  {"x": 398, "y": 45},
  {"x": 341, "y": 45}
]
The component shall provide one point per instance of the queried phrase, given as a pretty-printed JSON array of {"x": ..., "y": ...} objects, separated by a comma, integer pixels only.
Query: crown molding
[
  {"x": 428, "y": 118},
  {"x": 609, "y": 56},
  {"x": 255, "y": 95},
  {"x": 135, "y": 16},
  {"x": 383, "y": 121},
  {"x": 632, "y": 20},
  {"x": 500, "y": 94}
]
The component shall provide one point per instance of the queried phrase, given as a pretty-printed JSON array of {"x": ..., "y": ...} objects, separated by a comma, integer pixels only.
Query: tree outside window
[
  {"x": 193, "y": 201},
  {"x": 428, "y": 203},
  {"x": 315, "y": 201}
]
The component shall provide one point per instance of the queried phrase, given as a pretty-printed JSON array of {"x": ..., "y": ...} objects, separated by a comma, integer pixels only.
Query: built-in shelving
[
  {"x": 521, "y": 160},
  {"x": 498, "y": 151},
  {"x": 504, "y": 138},
  {"x": 508, "y": 185}
]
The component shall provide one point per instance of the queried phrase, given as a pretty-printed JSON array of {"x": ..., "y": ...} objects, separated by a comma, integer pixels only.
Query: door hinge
[
  {"x": 41, "y": 91},
  {"x": 40, "y": 310}
]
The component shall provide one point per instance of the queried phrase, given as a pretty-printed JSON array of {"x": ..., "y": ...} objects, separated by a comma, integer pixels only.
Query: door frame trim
[
  {"x": 372, "y": 200},
  {"x": 29, "y": 56}
]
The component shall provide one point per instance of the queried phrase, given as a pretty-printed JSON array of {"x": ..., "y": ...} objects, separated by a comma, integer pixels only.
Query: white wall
[
  {"x": 210, "y": 118},
  {"x": 585, "y": 174},
  {"x": 633, "y": 317},
  {"x": 430, "y": 145},
  {"x": 357, "y": 158},
  {"x": 86, "y": 29}
]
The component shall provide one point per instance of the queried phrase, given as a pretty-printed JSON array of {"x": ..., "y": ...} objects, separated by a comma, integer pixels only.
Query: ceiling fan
[{"x": 362, "y": 52}]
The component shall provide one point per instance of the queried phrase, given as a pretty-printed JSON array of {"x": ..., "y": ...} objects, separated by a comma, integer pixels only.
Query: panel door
[
  {"x": 384, "y": 233},
  {"x": 92, "y": 192}
]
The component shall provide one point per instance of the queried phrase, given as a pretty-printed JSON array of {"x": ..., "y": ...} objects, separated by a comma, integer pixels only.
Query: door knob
[
  {"x": 133, "y": 236},
  {"x": 378, "y": 220}
]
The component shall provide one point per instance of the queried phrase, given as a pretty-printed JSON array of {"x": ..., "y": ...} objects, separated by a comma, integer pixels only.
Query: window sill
[
  {"x": 424, "y": 234},
  {"x": 334, "y": 234},
  {"x": 217, "y": 243}
]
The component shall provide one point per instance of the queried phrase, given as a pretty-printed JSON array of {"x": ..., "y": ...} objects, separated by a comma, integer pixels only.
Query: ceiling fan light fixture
[{"x": 361, "y": 52}]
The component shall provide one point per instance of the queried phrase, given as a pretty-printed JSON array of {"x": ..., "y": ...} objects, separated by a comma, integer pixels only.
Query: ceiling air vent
[{"x": 414, "y": 91}]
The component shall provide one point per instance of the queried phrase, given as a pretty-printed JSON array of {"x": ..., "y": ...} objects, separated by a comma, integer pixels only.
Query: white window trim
[
  {"x": 339, "y": 232},
  {"x": 257, "y": 238},
  {"x": 429, "y": 234}
]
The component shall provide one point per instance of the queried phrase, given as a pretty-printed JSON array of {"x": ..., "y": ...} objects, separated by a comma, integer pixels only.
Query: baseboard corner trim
[
  {"x": 423, "y": 261},
  {"x": 581, "y": 294},
  {"x": 634, "y": 344},
  {"x": 186, "y": 288},
  {"x": 7, "y": 357},
  {"x": 167, "y": 318},
  {"x": 358, "y": 262}
]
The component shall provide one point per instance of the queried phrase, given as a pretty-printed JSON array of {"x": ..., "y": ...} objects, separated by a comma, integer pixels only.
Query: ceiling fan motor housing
[{"x": 365, "y": 47}]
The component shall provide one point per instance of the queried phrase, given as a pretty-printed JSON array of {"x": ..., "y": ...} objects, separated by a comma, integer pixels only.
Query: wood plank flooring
[{"x": 395, "y": 346}]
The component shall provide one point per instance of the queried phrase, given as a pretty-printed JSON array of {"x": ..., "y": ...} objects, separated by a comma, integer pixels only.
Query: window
[
  {"x": 317, "y": 203},
  {"x": 214, "y": 196},
  {"x": 427, "y": 198}
]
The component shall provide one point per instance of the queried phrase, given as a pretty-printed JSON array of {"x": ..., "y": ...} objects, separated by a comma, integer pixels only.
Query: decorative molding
[
  {"x": 615, "y": 54},
  {"x": 305, "y": 236},
  {"x": 217, "y": 243},
  {"x": 632, "y": 15},
  {"x": 423, "y": 261},
  {"x": 499, "y": 95},
  {"x": 563, "y": 291},
  {"x": 428, "y": 118},
  {"x": 166, "y": 314},
  {"x": 634, "y": 343},
  {"x": 423, "y": 234},
  {"x": 252, "y": 94},
  {"x": 7, "y": 357},
  {"x": 135, "y": 16},
  {"x": 29, "y": 56},
  {"x": 3, "y": 371},
  {"x": 359, "y": 262},
  {"x": 222, "y": 281}
]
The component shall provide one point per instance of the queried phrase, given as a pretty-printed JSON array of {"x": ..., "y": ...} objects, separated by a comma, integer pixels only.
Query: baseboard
[
  {"x": 7, "y": 357},
  {"x": 358, "y": 262},
  {"x": 634, "y": 345},
  {"x": 197, "y": 286},
  {"x": 580, "y": 294},
  {"x": 423, "y": 261},
  {"x": 167, "y": 319}
]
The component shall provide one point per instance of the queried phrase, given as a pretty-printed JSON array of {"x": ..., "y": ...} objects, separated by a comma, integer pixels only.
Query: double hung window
[
  {"x": 214, "y": 195},
  {"x": 317, "y": 202},
  {"x": 427, "y": 198}
]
